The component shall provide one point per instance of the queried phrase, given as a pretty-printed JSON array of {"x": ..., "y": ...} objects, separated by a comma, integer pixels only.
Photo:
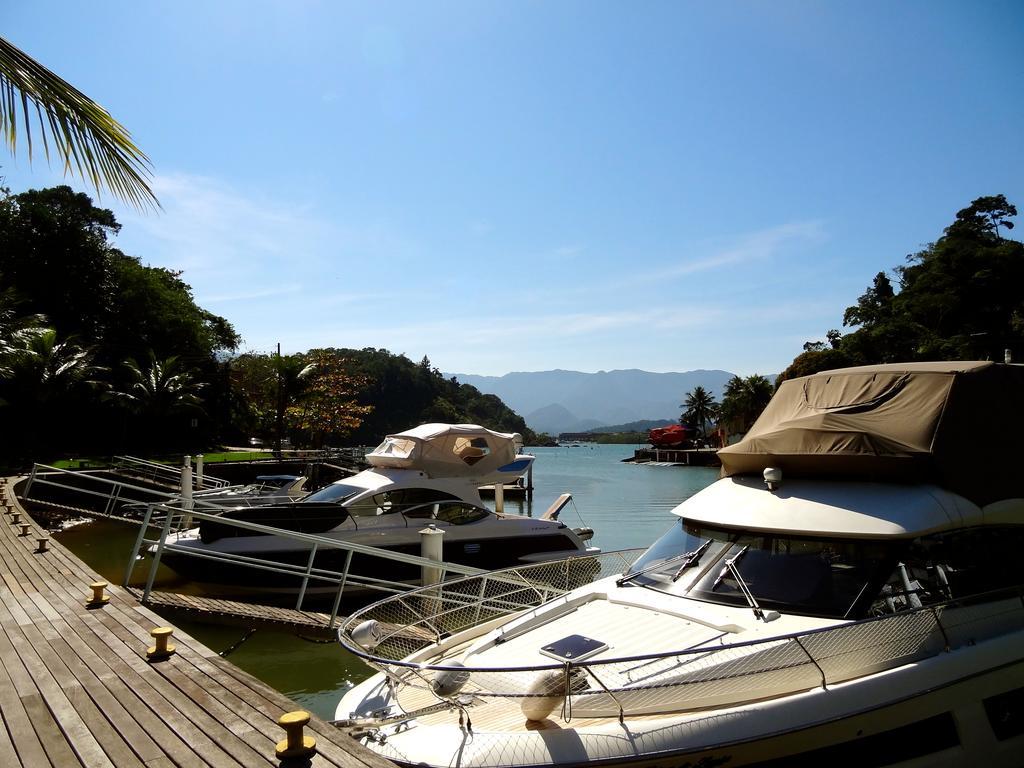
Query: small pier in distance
[
  {"x": 83, "y": 681},
  {"x": 688, "y": 457}
]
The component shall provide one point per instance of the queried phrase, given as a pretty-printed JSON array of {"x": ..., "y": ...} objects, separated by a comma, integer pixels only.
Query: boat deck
[{"x": 77, "y": 689}]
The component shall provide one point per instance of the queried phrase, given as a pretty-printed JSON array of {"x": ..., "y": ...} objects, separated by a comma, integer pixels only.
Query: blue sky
[{"x": 535, "y": 185}]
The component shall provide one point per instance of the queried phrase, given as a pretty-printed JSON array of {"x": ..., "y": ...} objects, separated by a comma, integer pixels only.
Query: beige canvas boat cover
[
  {"x": 448, "y": 450},
  {"x": 956, "y": 424}
]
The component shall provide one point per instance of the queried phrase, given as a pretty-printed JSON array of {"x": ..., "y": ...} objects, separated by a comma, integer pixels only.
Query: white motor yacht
[
  {"x": 426, "y": 476},
  {"x": 851, "y": 592}
]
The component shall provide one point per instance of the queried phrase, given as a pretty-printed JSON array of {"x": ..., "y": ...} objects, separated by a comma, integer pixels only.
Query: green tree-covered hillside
[{"x": 960, "y": 298}]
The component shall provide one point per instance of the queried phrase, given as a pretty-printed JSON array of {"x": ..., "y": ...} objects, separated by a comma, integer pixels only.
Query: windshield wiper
[
  {"x": 688, "y": 558},
  {"x": 731, "y": 568},
  {"x": 729, "y": 564},
  {"x": 691, "y": 559}
]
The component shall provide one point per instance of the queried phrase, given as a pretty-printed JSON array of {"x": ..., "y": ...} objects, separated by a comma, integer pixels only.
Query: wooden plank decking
[
  {"x": 76, "y": 688},
  {"x": 234, "y": 612}
]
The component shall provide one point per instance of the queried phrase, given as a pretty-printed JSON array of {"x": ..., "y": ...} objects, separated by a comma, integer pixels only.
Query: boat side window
[
  {"x": 953, "y": 564},
  {"x": 415, "y": 503},
  {"x": 460, "y": 513},
  {"x": 334, "y": 492}
]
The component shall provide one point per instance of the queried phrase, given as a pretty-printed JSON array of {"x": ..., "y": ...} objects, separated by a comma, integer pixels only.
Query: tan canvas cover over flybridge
[
  {"x": 959, "y": 425},
  {"x": 448, "y": 450}
]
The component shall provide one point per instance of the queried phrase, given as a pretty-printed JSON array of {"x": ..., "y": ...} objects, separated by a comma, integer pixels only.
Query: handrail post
[
  {"x": 942, "y": 629},
  {"x": 138, "y": 545},
  {"x": 31, "y": 479},
  {"x": 341, "y": 588},
  {"x": 813, "y": 661},
  {"x": 112, "y": 500},
  {"x": 305, "y": 579},
  {"x": 156, "y": 555},
  {"x": 480, "y": 597}
]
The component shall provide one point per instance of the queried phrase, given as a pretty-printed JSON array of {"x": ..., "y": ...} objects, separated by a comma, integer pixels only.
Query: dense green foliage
[
  {"x": 371, "y": 393},
  {"x": 75, "y": 315},
  {"x": 960, "y": 298},
  {"x": 743, "y": 401},
  {"x": 403, "y": 394}
]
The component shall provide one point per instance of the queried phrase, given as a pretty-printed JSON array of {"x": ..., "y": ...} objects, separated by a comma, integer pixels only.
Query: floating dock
[
  {"x": 687, "y": 457},
  {"x": 81, "y": 686}
]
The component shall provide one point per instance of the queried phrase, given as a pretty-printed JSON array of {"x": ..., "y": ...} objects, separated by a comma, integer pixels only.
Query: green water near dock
[{"x": 627, "y": 505}]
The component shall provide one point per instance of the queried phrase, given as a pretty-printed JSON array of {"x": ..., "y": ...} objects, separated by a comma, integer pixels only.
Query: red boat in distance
[{"x": 672, "y": 436}]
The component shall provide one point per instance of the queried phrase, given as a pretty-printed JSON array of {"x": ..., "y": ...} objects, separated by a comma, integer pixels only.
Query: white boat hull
[{"x": 927, "y": 713}]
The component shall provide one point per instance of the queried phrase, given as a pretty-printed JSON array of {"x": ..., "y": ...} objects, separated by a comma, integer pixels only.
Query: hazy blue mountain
[
  {"x": 595, "y": 399},
  {"x": 556, "y": 418}
]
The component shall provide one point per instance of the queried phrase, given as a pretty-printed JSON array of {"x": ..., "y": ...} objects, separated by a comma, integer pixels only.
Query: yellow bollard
[
  {"x": 296, "y": 745},
  {"x": 43, "y": 542},
  {"x": 161, "y": 650},
  {"x": 26, "y": 528},
  {"x": 98, "y": 598}
]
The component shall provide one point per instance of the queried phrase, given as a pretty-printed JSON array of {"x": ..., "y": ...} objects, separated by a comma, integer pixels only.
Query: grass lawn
[{"x": 94, "y": 462}]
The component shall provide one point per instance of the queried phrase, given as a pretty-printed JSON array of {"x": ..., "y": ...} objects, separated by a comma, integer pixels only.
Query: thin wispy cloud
[
  {"x": 494, "y": 331},
  {"x": 721, "y": 255},
  {"x": 209, "y": 226},
  {"x": 567, "y": 251},
  {"x": 745, "y": 249},
  {"x": 248, "y": 295}
]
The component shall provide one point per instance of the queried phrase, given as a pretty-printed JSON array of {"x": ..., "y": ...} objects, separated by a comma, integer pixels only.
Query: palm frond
[{"x": 86, "y": 139}]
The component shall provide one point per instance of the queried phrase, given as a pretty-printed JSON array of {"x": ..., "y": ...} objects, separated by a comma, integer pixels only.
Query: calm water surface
[{"x": 627, "y": 506}]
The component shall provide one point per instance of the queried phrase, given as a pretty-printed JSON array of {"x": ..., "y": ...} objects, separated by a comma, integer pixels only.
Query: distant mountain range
[{"x": 571, "y": 401}]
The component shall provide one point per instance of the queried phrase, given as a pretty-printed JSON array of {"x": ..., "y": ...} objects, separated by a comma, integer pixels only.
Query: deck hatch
[{"x": 574, "y": 648}]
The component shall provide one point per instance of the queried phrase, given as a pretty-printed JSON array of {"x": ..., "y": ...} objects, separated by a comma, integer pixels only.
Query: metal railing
[
  {"x": 175, "y": 519},
  {"x": 165, "y": 473},
  {"x": 110, "y": 491},
  {"x": 416, "y": 633}
]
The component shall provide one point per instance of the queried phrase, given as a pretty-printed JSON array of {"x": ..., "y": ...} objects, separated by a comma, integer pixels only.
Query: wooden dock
[
  {"x": 217, "y": 611},
  {"x": 77, "y": 688}
]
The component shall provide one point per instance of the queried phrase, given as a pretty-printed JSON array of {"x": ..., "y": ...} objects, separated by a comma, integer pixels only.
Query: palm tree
[
  {"x": 44, "y": 369},
  {"x": 83, "y": 135},
  {"x": 42, "y": 380},
  {"x": 16, "y": 331},
  {"x": 159, "y": 389},
  {"x": 701, "y": 409},
  {"x": 154, "y": 392},
  {"x": 743, "y": 401}
]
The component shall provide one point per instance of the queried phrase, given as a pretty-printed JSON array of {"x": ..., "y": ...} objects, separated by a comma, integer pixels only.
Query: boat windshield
[
  {"x": 334, "y": 492},
  {"x": 837, "y": 578}
]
